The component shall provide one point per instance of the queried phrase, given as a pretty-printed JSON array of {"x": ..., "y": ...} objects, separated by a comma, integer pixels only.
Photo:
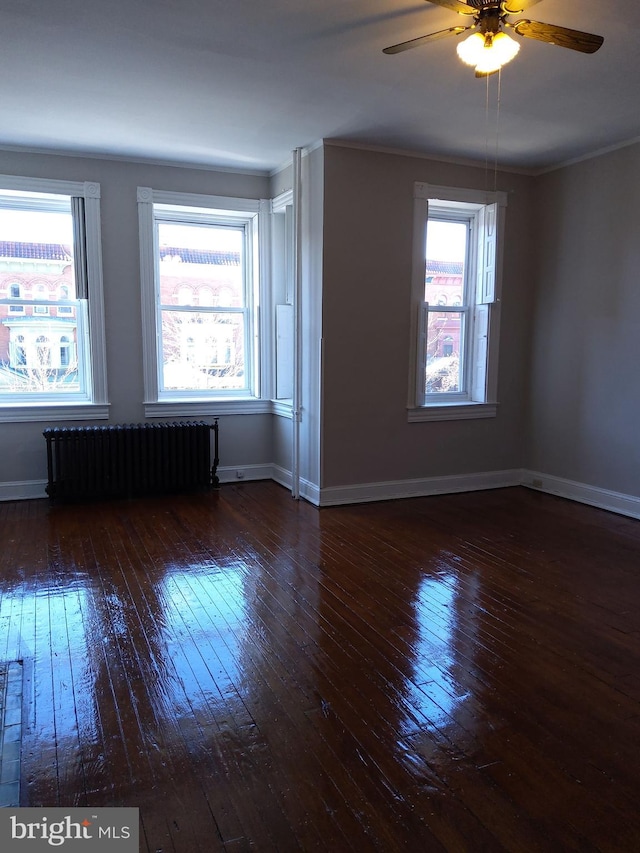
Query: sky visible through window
[
  {"x": 220, "y": 238},
  {"x": 446, "y": 241},
  {"x": 30, "y": 226}
]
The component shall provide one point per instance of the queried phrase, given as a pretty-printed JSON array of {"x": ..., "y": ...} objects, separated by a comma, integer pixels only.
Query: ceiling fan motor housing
[{"x": 488, "y": 20}]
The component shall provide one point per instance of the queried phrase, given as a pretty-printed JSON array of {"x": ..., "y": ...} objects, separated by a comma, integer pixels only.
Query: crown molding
[
  {"x": 423, "y": 155},
  {"x": 591, "y": 156},
  {"x": 143, "y": 161}
]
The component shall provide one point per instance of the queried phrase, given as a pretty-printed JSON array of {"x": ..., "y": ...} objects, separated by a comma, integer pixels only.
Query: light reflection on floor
[
  {"x": 204, "y": 617},
  {"x": 434, "y": 688},
  {"x": 96, "y": 655},
  {"x": 174, "y": 651},
  {"x": 57, "y": 623}
]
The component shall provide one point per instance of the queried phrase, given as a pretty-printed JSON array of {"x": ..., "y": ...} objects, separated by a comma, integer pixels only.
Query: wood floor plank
[{"x": 458, "y": 673}]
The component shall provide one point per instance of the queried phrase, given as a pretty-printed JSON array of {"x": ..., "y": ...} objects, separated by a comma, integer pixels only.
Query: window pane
[
  {"x": 444, "y": 359},
  {"x": 41, "y": 359},
  {"x": 201, "y": 264},
  {"x": 203, "y": 350},
  {"x": 38, "y": 345},
  {"x": 445, "y": 262}
]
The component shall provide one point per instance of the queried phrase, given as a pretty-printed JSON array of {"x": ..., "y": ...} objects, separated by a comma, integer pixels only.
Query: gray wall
[
  {"x": 244, "y": 440},
  {"x": 368, "y": 221},
  {"x": 570, "y": 327},
  {"x": 584, "y": 409}
]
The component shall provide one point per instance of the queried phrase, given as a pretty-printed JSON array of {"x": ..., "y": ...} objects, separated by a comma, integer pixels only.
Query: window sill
[
  {"x": 452, "y": 412},
  {"x": 283, "y": 408},
  {"x": 193, "y": 408},
  {"x": 53, "y": 412}
]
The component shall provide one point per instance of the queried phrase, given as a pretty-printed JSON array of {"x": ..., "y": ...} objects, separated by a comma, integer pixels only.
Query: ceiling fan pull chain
[
  {"x": 486, "y": 134},
  {"x": 487, "y": 128},
  {"x": 495, "y": 162}
]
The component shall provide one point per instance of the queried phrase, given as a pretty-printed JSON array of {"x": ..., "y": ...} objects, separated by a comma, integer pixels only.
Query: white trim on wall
[
  {"x": 24, "y": 490},
  {"x": 52, "y": 412},
  {"x": 628, "y": 505},
  {"x": 393, "y": 489},
  {"x": 307, "y": 490},
  {"x": 583, "y": 493},
  {"x": 238, "y": 473},
  {"x": 230, "y": 474}
]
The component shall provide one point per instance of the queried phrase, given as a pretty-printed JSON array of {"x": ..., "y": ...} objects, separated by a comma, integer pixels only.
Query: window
[
  {"x": 52, "y": 363},
  {"x": 65, "y": 351},
  {"x": 200, "y": 288},
  {"x": 41, "y": 294},
  {"x": 184, "y": 295},
  {"x": 455, "y": 302},
  {"x": 63, "y": 310},
  {"x": 43, "y": 353},
  {"x": 205, "y": 296},
  {"x": 14, "y": 291},
  {"x": 19, "y": 355}
]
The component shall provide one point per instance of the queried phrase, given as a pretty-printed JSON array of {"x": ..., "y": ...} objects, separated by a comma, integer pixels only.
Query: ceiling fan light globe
[
  {"x": 504, "y": 47},
  {"x": 487, "y": 52},
  {"x": 471, "y": 49}
]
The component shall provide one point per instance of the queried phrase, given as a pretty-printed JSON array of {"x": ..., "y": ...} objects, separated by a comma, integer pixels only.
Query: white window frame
[
  {"x": 283, "y": 291},
  {"x": 485, "y": 212},
  {"x": 252, "y": 214},
  {"x": 93, "y": 404}
]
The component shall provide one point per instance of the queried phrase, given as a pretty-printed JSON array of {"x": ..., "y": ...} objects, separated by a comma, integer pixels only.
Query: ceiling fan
[{"x": 489, "y": 47}]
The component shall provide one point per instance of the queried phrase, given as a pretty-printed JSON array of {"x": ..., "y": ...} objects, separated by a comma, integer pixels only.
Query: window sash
[
  {"x": 437, "y": 214},
  {"x": 204, "y": 339},
  {"x": 213, "y": 218},
  {"x": 485, "y": 210},
  {"x": 423, "y": 362},
  {"x": 81, "y": 202},
  {"x": 80, "y": 347}
]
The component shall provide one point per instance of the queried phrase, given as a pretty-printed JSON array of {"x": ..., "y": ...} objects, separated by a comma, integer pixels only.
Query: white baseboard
[
  {"x": 308, "y": 490},
  {"x": 393, "y": 489},
  {"x": 281, "y": 475},
  {"x": 237, "y": 473},
  {"x": 622, "y": 504},
  {"x": 23, "y": 491},
  {"x": 583, "y": 493}
]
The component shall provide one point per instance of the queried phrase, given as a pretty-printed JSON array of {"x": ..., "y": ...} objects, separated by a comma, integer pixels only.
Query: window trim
[
  {"x": 96, "y": 406},
  {"x": 474, "y": 404},
  {"x": 284, "y": 312},
  {"x": 252, "y": 211}
]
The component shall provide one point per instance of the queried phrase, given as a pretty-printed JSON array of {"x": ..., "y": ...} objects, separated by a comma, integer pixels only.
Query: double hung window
[
  {"x": 199, "y": 268},
  {"x": 52, "y": 356},
  {"x": 455, "y": 302}
]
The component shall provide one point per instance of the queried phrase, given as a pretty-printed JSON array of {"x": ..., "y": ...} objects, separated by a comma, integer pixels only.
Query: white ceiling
[{"x": 240, "y": 83}]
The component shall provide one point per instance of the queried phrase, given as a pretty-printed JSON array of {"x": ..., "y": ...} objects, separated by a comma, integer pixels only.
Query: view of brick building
[
  {"x": 443, "y": 286},
  {"x": 202, "y": 348},
  {"x": 39, "y": 332}
]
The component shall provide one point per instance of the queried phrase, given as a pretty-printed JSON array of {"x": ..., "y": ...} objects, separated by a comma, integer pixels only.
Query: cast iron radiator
[{"x": 130, "y": 459}]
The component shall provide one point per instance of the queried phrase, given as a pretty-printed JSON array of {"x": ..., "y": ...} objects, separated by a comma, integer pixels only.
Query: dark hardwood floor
[{"x": 456, "y": 673}]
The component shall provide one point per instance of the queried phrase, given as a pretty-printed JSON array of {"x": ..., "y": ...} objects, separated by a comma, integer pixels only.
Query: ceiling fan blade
[
  {"x": 563, "y": 37},
  {"x": 458, "y": 6},
  {"x": 407, "y": 45},
  {"x": 514, "y": 7}
]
